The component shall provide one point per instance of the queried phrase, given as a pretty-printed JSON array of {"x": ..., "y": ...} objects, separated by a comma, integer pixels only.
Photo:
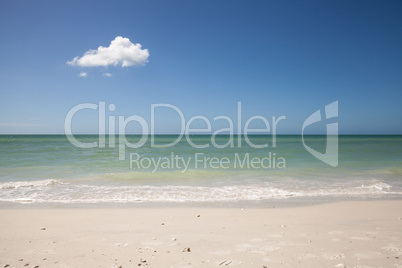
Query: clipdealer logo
[
  {"x": 330, "y": 157},
  {"x": 331, "y": 149}
]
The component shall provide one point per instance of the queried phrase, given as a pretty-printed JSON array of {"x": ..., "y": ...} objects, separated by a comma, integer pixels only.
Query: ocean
[{"x": 170, "y": 170}]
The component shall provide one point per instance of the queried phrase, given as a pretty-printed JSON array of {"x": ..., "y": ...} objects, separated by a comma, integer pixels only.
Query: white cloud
[
  {"x": 120, "y": 52},
  {"x": 83, "y": 74},
  {"x": 107, "y": 74}
]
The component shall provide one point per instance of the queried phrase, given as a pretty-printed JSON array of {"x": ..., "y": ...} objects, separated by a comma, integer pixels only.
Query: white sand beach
[{"x": 344, "y": 234}]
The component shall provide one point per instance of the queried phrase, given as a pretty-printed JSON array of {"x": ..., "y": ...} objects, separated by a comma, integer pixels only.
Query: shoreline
[
  {"x": 280, "y": 203},
  {"x": 348, "y": 233}
]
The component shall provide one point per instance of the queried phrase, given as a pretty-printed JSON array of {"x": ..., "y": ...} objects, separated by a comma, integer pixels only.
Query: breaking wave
[{"x": 56, "y": 191}]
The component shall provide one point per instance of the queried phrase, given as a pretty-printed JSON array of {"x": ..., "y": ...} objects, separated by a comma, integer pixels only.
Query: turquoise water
[{"x": 49, "y": 169}]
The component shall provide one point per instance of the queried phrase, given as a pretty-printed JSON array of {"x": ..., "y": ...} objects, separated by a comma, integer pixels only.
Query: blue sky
[{"x": 276, "y": 57}]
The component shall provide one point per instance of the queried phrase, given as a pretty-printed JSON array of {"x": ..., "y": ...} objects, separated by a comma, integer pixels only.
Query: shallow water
[{"x": 49, "y": 169}]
